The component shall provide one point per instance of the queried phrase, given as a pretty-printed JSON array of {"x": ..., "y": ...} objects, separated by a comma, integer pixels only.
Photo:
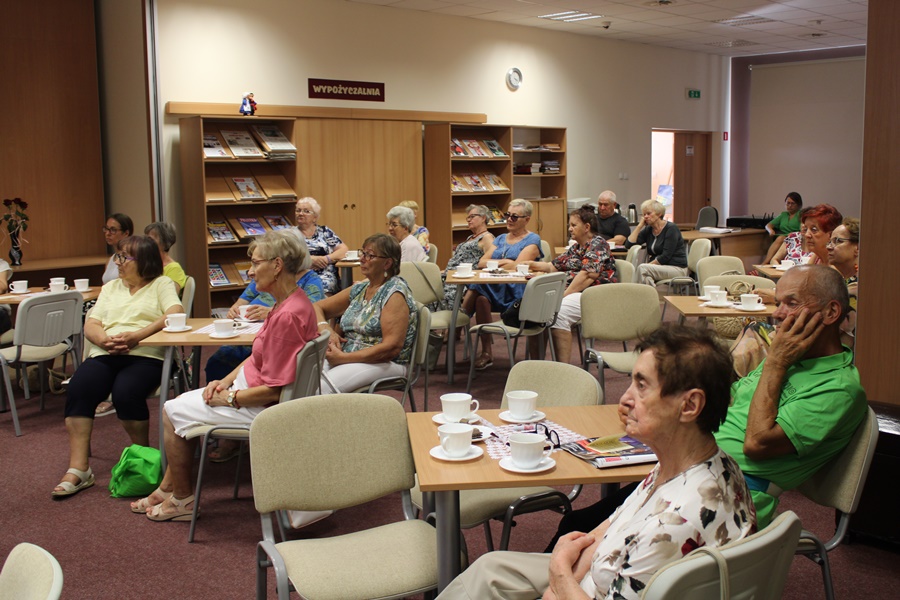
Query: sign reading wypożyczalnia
[{"x": 346, "y": 90}]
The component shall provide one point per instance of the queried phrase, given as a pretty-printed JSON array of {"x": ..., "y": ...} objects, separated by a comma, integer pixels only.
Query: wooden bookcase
[{"x": 445, "y": 210}]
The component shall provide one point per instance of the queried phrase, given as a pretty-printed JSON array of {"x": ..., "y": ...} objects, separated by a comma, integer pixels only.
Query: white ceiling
[{"x": 789, "y": 25}]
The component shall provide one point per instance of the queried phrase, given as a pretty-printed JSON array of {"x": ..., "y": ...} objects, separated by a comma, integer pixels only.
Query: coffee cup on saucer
[
  {"x": 224, "y": 326},
  {"x": 786, "y": 264},
  {"x": 456, "y": 439},
  {"x": 528, "y": 449},
  {"x": 20, "y": 286},
  {"x": 493, "y": 265},
  {"x": 458, "y": 406},
  {"x": 176, "y": 320},
  {"x": 522, "y": 269},
  {"x": 243, "y": 311},
  {"x": 751, "y": 301},
  {"x": 82, "y": 285},
  {"x": 58, "y": 287},
  {"x": 464, "y": 269},
  {"x": 709, "y": 289},
  {"x": 57, "y": 280},
  {"x": 521, "y": 404},
  {"x": 718, "y": 298},
  {"x": 352, "y": 255}
]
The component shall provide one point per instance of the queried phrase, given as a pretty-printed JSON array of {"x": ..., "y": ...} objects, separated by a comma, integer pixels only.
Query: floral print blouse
[
  {"x": 361, "y": 322},
  {"x": 794, "y": 249},
  {"x": 323, "y": 242},
  {"x": 593, "y": 258}
]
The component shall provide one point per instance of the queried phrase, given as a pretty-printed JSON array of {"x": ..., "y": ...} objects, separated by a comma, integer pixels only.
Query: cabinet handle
[
  {"x": 345, "y": 207},
  {"x": 352, "y": 207}
]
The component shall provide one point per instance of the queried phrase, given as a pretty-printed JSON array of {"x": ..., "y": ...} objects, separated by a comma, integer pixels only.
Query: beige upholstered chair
[
  {"x": 839, "y": 485},
  {"x": 753, "y": 567},
  {"x": 557, "y": 384},
  {"x": 307, "y": 381},
  {"x": 547, "y": 250},
  {"x": 31, "y": 573},
  {"x": 718, "y": 265},
  {"x": 187, "y": 295},
  {"x": 333, "y": 452},
  {"x": 624, "y": 270},
  {"x": 699, "y": 250},
  {"x": 432, "y": 253},
  {"x": 617, "y": 313},
  {"x": 724, "y": 281}
]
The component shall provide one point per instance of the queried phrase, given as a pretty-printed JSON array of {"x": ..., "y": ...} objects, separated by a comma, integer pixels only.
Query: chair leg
[
  {"x": 12, "y": 401},
  {"x": 488, "y": 536},
  {"x": 42, "y": 375},
  {"x": 471, "y": 361},
  {"x": 237, "y": 470}
]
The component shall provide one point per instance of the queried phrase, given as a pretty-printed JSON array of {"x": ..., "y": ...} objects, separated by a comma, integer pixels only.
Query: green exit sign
[{"x": 692, "y": 94}]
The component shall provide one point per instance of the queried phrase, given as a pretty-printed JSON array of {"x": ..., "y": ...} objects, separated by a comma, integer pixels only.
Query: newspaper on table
[{"x": 611, "y": 451}]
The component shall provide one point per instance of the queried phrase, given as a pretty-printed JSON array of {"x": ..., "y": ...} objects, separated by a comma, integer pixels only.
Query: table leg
[
  {"x": 451, "y": 335},
  {"x": 346, "y": 277},
  {"x": 447, "y": 521},
  {"x": 163, "y": 396},
  {"x": 195, "y": 367}
]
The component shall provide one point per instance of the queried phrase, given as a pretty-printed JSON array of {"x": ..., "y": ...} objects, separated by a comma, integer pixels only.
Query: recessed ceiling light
[
  {"x": 731, "y": 44},
  {"x": 570, "y": 16},
  {"x": 743, "y": 21}
]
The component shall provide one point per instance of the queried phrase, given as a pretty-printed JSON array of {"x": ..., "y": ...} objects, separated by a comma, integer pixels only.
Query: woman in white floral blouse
[{"x": 696, "y": 496}]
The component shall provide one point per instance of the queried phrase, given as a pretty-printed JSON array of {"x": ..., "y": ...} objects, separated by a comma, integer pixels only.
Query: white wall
[
  {"x": 608, "y": 94},
  {"x": 806, "y": 133}
]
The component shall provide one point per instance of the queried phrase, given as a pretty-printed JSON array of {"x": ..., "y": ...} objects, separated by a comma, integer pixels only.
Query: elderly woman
[
  {"x": 665, "y": 246},
  {"x": 420, "y": 232},
  {"x": 843, "y": 255},
  {"x": 696, "y": 495},
  {"x": 588, "y": 262},
  {"x": 469, "y": 251},
  {"x": 377, "y": 326},
  {"x": 325, "y": 246},
  {"x": 129, "y": 309},
  {"x": 820, "y": 221},
  {"x": 276, "y": 258},
  {"x": 164, "y": 235},
  {"x": 516, "y": 246},
  {"x": 785, "y": 223},
  {"x": 117, "y": 228},
  {"x": 793, "y": 248},
  {"x": 400, "y": 225}
]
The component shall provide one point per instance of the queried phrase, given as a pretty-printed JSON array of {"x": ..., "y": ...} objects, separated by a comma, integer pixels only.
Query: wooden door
[{"x": 693, "y": 175}]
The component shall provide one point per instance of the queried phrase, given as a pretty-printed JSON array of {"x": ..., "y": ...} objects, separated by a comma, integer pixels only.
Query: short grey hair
[
  {"x": 287, "y": 245},
  {"x": 404, "y": 215},
  {"x": 654, "y": 205},
  {"x": 823, "y": 285},
  {"x": 609, "y": 195},
  {"x": 165, "y": 232},
  {"x": 316, "y": 208},
  {"x": 525, "y": 204},
  {"x": 480, "y": 209}
]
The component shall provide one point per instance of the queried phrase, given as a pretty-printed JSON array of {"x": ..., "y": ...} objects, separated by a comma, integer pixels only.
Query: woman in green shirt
[{"x": 785, "y": 223}]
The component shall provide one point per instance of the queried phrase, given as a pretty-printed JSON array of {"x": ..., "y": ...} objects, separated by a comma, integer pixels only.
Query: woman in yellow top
[
  {"x": 164, "y": 235},
  {"x": 129, "y": 309}
]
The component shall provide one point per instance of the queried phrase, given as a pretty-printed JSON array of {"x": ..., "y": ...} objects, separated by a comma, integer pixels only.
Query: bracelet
[
  {"x": 328, "y": 258},
  {"x": 321, "y": 323}
]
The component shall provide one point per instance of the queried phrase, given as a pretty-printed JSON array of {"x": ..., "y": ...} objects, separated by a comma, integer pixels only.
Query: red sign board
[{"x": 335, "y": 89}]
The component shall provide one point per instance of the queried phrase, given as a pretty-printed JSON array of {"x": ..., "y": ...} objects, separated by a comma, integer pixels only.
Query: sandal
[
  {"x": 180, "y": 513},
  {"x": 217, "y": 455},
  {"x": 143, "y": 505},
  {"x": 85, "y": 480},
  {"x": 483, "y": 362},
  {"x": 104, "y": 408}
]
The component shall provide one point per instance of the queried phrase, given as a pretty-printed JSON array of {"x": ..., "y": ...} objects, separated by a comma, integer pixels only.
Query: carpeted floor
[{"x": 107, "y": 552}]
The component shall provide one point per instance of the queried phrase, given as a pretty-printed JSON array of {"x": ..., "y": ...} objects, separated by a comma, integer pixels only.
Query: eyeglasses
[
  {"x": 363, "y": 255},
  {"x": 392, "y": 224},
  {"x": 112, "y": 230},
  {"x": 813, "y": 229},
  {"x": 475, "y": 216},
  {"x": 303, "y": 211},
  {"x": 258, "y": 261},
  {"x": 837, "y": 241},
  {"x": 550, "y": 434},
  {"x": 121, "y": 258},
  {"x": 512, "y": 217}
]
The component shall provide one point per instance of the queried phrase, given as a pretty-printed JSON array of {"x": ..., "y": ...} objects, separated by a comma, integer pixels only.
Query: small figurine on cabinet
[{"x": 248, "y": 105}]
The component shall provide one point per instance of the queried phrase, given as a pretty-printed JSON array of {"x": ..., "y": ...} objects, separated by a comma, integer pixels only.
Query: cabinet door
[{"x": 552, "y": 221}]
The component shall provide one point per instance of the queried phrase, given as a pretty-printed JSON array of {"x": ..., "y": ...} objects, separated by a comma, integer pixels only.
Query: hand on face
[{"x": 795, "y": 336}]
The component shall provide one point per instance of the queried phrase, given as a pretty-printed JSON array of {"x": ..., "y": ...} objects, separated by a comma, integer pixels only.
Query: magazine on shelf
[
  {"x": 214, "y": 147},
  {"x": 473, "y": 180},
  {"x": 457, "y": 149},
  {"x": 217, "y": 276},
  {"x": 272, "y": 139},
  {"x": 246, "y": 188},
  {"x": 494, "y": 147},
  {"x": 497, "y": 215},
  {"x": 251, "y": 226},
  {"x": 241, "y": 144},
  {"x": 277, "y": 222},
  {"x": 495, "y": 182},
  {"x": 458, "y": 184},
  {"x": 475, "y": 148},
  {"x": 220, "y": 233},
  {"x": 611, "y": 451},
  {"x": 242, "y": 267}
]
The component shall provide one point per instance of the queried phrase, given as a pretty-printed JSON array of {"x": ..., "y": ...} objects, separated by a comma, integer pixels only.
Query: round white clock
[{"x": 514, "y": 78}]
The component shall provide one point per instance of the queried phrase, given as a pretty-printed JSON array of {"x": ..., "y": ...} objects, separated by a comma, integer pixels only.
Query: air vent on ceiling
[
  {"x": 660, "y": 3},
  {"x": 813, "y": 36},
  {"x": 743, "y": 21},
  {"x": 731, "y": 44}
]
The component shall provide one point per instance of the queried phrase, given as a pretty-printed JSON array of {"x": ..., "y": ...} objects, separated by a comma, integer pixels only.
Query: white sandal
[
  {"x": 143, "y": 505},
  {"x": 85, "y": 480},
  {"x": 181, "y": 511}
]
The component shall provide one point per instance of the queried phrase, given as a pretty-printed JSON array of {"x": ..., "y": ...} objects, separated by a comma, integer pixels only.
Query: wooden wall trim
[{"x": 214, "y": 109}]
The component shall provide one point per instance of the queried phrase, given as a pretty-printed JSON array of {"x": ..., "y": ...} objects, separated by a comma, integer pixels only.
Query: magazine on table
[{"x": 611, "y": 451}]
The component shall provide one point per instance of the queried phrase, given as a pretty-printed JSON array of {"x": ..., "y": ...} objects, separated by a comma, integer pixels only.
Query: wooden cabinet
[{"x": 445, "y": 210}]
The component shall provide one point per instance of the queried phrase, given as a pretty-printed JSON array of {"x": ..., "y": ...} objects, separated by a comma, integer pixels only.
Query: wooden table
[
  {"x": 769, "y": 271},
  {"x": 169, "y": 341},
  {"x": 750, "y": 245},
  {"x": 690, "y": 306},
  {"x": 16, "y": 299},
  {"x": 345, "y": 270},
  {"x": 445, "y": 479}
]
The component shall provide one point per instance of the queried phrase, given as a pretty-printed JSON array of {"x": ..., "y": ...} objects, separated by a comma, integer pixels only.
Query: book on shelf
[
  {"x": 241, "y": 143},
  {"x": 273, "y": 141},
  {"x": 458, "y": 184},
  {"x": 611, "y": 451},
  {"x": 473, "y": 180},
  {"x": 217, "y": 276},
  {"x": 494, "y": 147},
  {"x": 245, "y": 188},
  {"x": 457, "y": 149},
  {"x": 249, "y": 227},
  {"x": 214, "y": 146},
  {"x": 527, "y": 168},
  {"x": 497, "y": 215},
  {"x": 550, "y": 166},
  {"x": 218, "y": 232},
  {"x": 495, "y": 182},
  {"x": 474, "y": 148},
  {"x": 273, "y": 183},
  {"x": 243, "y": 267},
  {"x": 217, "y": 189},
  {"x": 277, "y": 222}
]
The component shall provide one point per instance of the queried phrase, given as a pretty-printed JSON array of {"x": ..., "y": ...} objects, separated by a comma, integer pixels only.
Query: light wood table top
[
  {"x": 690, "y": 306},
  {"x": 696, "y": 234},
  {"x": 770, "y": 271},
  {"x": 192, "y": 338},
  {"x": 485, "y": 472},
  {"x": 476, "y": 278},
  {"x": 16, "y": 299}
]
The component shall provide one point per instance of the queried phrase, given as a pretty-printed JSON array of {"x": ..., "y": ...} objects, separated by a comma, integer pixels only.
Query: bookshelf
[{"x": 445, "y": 209}]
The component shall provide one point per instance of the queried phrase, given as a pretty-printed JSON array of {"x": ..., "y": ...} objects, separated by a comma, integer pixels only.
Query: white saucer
[
  {"x": 546, "y": 463},
  {"x": 173, "y": 330},
  {"x": 440, "y": 419},
  {"x": 82, "y": 291},
  {"x": 780, "y": 268},
  {"x": 711, "y": 305},
  {"x": 537, "y": 416},
  {"x": 244, "y": 321},
  {"x": 15, "y": 292},
  {"x": 759, "y": 308},
  {"x": 474, "y": 452},
  {"x": 227, "y": 336},
  {"x": 455, "y": 276},
  {"x": 703, "y": 298}
]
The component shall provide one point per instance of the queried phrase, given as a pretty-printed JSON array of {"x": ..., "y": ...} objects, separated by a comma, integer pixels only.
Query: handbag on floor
[{"x": 137, "y": 473}]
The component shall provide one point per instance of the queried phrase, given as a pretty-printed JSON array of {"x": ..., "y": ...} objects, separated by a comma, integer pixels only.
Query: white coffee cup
[
  {"x": 458, "y": 406},
  {"x": 709, "y": 289},
  {"x": 176, "y": 321},
  {"x": 787, "y": 264},
  {"x": 456, "y": 439},
  {"x": 751, "y": 301},
  {"x": 243, "y": 310},
  {"x": 58, "y": 287},
  {"x": 82, "y": 285},
  {"x": 718, "y": 297},
  {"x": 57, "y": 280},
  {"x": 521, "y": 403},
  {"x": 224, "y": 326},
  {"x": 523, "y": 269},
  {"x": 463, "y": 269},
  {"x": 19, "y": 286},
  {"x": 528, "y": 449},
  {"x": 493, "y": 264},
  {"x": 352, "y": 255}
]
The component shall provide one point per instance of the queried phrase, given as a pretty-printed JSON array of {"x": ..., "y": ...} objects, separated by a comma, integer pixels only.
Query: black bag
[{"x": 510, "y": 317}]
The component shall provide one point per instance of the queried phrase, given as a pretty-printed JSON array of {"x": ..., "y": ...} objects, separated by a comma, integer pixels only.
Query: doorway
[{"x": 681, "y": 172}]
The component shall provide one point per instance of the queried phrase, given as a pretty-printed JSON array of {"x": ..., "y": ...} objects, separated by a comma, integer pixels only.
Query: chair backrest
[
  {"x": 424, "y": 280},
  {"x": 700, "y": 249},
  {"x": 757, "y": 567},
  {"x": 48, "y": 319},
  {"x": 718, "y": 265},
  {"x": 624, "y": 271},
  {"x": 707, "y": 217},
  {"x": 725, "y": 281},
  {"x": 547, "y": 250},
  {"x": 432, "y": 252},
  {"x": 620, "y": 312},
  {"x": 542, "y": 298},
  {"x": 557, "y": 384},
  {"x": 632, "y": 254},
  {"x": 308, "y": 372},
  {"x": 31, "y": 573},
  {"x": 420, "y": 350},
  {"x": 343, "y": 449},
  {"x": 187, "y": 295}
]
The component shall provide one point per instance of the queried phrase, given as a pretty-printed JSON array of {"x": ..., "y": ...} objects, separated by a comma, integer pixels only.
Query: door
[{"x": 692, "y": 175}]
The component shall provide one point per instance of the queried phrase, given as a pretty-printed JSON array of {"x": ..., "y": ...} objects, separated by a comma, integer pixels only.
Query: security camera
[{"x": 605, "y": 24}]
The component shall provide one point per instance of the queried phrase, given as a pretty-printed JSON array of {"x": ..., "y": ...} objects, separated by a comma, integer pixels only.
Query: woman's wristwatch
[{"x": 231, "y": 399}]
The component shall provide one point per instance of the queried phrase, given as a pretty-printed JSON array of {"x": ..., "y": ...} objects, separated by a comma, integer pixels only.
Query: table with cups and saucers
[
  {"x": 698, "y": 307},
  {"x": 773, "y": 272},
  {"x": 15, "y": 298},
  {"x": 446, "y": 478},
  {"x": 196, "y": 333}
]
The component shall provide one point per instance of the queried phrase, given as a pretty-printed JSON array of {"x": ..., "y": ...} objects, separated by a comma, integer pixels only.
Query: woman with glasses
[
  {"x": 665, "y": 246},
  {"x": 129, "y": 309},
  {"x": 819, "y": 222},
  {"x": 843, "y": 255},
  {"x": 324, "y": 245},
  {"x": 420, "y": 232},
  {"x": 400, "y": 225},
  {"x": 469, "y": 251},
  {"x": 516, "y": 246},
  {"x": 376, "y": 321},
  {"x": 277, "y": 258},
  {"x": 793, "y": 248},
  {"x": 117, "y": 228}
]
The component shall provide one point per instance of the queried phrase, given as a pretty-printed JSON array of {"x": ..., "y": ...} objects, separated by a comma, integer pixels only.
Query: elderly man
[
  {"x": 793, "y": 413},
  {"x": 614, "y": 227}
]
